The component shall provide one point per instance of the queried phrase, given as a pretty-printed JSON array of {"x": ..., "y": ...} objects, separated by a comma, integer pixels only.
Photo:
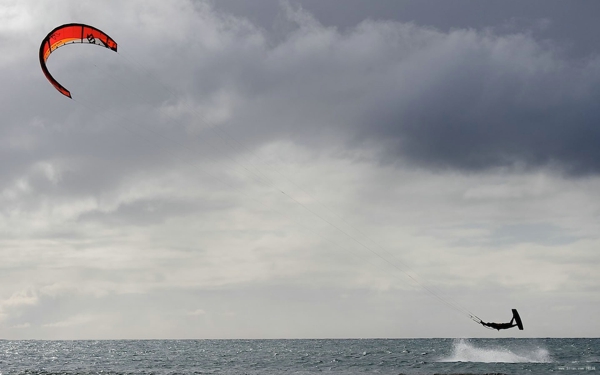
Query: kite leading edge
[{"x": 68, "y": 34}]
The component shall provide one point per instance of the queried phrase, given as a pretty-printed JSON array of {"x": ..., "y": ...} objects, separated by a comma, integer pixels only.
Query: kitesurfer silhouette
[
  {"x": 500, "y": 326},
  {"x": 511, "y": 324}
]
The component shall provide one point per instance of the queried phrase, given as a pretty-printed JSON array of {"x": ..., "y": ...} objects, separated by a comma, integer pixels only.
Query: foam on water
[{"x": 465, "y": 351}]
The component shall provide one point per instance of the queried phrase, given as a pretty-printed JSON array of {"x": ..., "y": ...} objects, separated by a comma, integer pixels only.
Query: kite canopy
[{"x": 68, "y": 34}]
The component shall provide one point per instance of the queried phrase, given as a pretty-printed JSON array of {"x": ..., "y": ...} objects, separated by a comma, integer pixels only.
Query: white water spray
[{"x": 465, "y": 351}]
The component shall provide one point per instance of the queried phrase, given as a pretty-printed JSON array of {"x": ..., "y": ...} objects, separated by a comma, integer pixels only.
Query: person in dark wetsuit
[{"x": 500, "y": 326}]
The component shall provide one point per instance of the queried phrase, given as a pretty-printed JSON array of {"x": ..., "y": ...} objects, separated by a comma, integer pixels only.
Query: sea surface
[{"x": 269, "y": 357}]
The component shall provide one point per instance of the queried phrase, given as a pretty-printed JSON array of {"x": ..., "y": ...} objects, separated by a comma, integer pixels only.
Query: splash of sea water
[{"x": 465, "y": 351}]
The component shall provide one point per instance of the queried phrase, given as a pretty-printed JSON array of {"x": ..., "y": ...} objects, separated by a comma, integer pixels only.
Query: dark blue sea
[{"x": 362, "y": 356}]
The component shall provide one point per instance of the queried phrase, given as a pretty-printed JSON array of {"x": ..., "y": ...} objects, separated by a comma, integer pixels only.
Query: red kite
[{"x": 68, "y": 34}]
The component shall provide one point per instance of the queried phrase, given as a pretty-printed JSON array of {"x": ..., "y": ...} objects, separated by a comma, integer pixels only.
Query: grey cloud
[
  {"x": 488, "y": 102},
  {"x": 145, "y": 182},
  {"x": 544, "y": 234},
  {"x": 464, "y": 99},
  {"x": 149, "y": 211},
  {"x": 572, "y": 25},
  {"x": 509, "y": 235}
]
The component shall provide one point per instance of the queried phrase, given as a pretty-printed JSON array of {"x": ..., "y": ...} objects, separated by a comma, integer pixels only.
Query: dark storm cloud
[
  {"x": 469, "y": 99},
  {"x": 489, "y": 102},
  {"x": 573, "y": 25},
  {"x": 471, "y": 93}
]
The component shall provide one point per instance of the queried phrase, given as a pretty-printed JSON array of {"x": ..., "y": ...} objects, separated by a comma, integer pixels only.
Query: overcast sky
[{"x": 301, "y": 169}]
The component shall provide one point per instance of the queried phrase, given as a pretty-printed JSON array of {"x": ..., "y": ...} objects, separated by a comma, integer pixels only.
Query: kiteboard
[{"x": 517, "y": 319}]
